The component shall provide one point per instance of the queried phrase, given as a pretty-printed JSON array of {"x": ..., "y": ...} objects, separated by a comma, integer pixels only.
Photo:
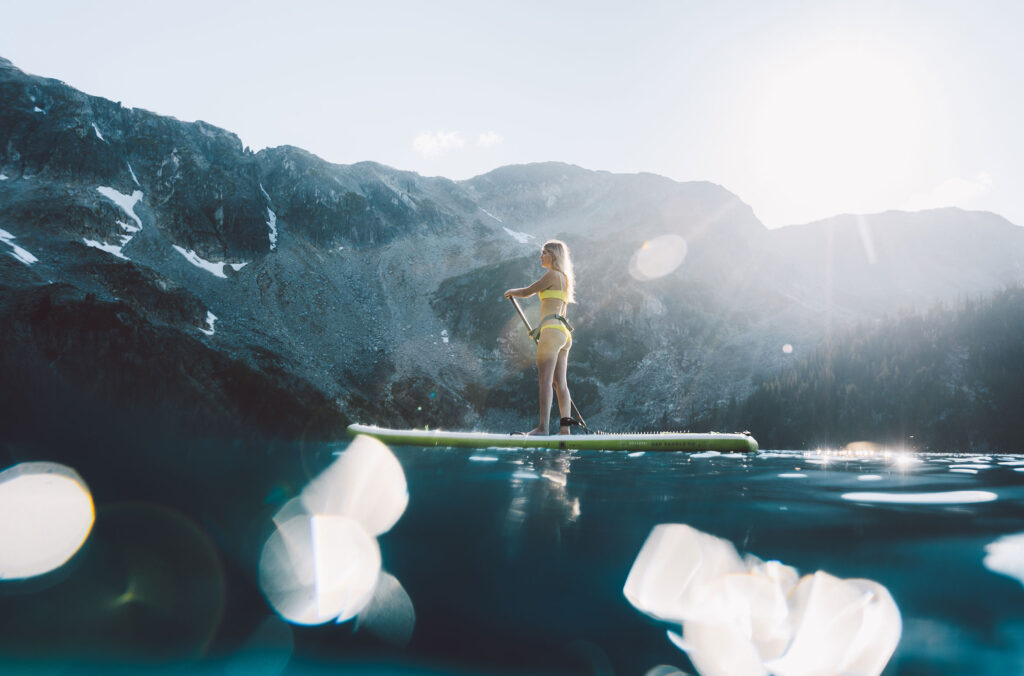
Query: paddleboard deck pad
[{"x": 725, "y": 442}]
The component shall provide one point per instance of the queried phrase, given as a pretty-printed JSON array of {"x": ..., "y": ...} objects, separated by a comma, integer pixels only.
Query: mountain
[{"x": 160, "y": 269}]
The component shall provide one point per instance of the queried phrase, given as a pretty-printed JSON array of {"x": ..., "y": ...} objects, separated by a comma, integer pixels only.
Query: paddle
[{"x": 536, "y": 339}]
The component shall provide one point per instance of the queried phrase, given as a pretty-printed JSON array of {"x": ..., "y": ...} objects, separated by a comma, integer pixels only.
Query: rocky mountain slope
[{"x": 160, "y": 267}]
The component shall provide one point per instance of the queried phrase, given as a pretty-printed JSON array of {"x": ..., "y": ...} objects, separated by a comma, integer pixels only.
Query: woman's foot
[
  {"x": 538, "y": 431},
  {"x": 564, "y": 429}
]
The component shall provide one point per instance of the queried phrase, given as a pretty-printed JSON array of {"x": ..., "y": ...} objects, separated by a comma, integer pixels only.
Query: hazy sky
[{"x": 803, "y": 109}]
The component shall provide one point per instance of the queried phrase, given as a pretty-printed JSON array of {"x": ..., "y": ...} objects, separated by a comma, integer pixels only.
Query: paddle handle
[{"x": 529, "y": 329}]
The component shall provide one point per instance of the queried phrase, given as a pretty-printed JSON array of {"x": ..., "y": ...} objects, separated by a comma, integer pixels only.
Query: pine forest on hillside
[{"x": 947, "y": 380}]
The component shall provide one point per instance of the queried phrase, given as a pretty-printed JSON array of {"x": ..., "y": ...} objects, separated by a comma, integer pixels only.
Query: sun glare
[{"x": 838, "y": 129}]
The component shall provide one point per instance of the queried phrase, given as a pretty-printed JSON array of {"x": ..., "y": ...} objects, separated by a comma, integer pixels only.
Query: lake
[{"x": 515, "y": 562}]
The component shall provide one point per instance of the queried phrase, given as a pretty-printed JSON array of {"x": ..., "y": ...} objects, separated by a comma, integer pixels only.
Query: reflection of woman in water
[{"x": 555, "y": 288}]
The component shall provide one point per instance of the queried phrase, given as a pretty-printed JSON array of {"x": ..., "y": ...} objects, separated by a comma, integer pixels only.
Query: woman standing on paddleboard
[{"x": 554, "y": 334}]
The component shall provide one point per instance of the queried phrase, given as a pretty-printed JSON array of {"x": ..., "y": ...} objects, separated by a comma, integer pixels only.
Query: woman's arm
[{"x": 546, "y": 281}]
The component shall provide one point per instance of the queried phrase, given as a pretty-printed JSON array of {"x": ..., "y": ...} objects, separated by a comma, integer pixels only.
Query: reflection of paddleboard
[{"x": 658, "y": 441}]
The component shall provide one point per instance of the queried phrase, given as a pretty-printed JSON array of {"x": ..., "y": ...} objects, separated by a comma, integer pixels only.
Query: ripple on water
[{"x": 936, "y": 498}]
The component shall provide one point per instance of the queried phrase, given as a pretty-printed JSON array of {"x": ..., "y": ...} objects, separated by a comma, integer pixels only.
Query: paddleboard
[{"x": 726, "y": 442}]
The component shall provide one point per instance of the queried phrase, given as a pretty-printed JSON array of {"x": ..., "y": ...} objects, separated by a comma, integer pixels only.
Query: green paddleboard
[{"x": 725, "y": 442}]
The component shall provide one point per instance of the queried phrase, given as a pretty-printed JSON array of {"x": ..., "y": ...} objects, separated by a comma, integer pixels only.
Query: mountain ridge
[{"x": 380, "y": 289}]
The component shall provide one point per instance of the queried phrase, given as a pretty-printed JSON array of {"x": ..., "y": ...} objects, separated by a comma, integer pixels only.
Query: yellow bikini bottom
[{"x": 558, "y": 327}]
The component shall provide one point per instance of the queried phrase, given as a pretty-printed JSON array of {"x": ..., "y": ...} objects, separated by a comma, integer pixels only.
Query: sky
[{"x": 804, "y": 110}]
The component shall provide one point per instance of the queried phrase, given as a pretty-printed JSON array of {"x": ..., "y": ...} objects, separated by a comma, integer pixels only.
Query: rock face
[{"x": 161, "y": 266}]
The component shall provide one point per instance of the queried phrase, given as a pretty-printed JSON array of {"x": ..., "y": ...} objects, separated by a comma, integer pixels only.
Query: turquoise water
[{"x": 512, "y": 562}]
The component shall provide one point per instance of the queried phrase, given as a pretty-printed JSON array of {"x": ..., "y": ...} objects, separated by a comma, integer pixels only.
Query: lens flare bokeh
[
  {"x": 46, "y": 514},
  {"x": 744, "y": 616},
  {"x": 322, "y": 562},
  {"x": 657, "y": 257}
]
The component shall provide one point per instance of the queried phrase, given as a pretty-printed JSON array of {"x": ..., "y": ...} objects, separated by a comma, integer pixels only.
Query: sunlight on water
[
  {"x": 657, "y": 257},
  {"x": 322, "y": 562},
  {"x": 46, "y": 514},
  {"x": 747, "y": 616},
  {"x": 1006, "y": 556},
  {"x": 938, "y": 498}
]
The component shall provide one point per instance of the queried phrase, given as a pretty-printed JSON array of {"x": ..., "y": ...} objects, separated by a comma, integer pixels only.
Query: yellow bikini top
[{"x": 557, "y": 294}]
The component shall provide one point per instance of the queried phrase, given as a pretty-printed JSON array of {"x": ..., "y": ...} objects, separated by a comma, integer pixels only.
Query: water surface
[{"x": 513, "y": 562}]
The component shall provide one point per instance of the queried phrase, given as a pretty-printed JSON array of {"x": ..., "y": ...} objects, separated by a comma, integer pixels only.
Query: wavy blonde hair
[{"x": 561, "y": 260}]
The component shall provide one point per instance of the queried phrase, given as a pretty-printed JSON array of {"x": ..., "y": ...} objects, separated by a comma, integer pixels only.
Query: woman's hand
[{"x": 510, "y": 293}]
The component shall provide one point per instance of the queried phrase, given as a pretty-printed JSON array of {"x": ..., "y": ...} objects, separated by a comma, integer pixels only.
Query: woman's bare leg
[
  {"x": 548, "y": 349},
  {"x": 562, "y": 387}
]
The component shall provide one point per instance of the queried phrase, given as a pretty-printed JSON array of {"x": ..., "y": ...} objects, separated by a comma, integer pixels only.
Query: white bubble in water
[
  {"x": 787, "y": 348},
  {"x": 46, "y": 514},
  {"x": 657, "y": 257}
]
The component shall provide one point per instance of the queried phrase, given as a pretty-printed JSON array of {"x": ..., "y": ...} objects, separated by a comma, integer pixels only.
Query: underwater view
[{"x": 355, "y": 558}]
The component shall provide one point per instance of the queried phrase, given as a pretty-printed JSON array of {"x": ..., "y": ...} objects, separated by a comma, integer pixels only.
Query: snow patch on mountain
[
  {"x": 126, "y": 202},
  {"x": 3, "y": 177},
  {"x": 98, "y": 134},
  {"x": 132, "y": 172},
  {"x": 109, "y": 248},
  {"x": 521, "y": 237},
  {"x": 16, "y": 251},
  {"x": 217, "y": 269},
  {"x": 491, "y": 215},
  {"x": 210, "y": 320},
  {"x": 272, "y": 224}
]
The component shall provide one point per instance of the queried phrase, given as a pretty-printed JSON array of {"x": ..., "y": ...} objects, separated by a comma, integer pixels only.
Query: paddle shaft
[{"x": 536, "y": 339}]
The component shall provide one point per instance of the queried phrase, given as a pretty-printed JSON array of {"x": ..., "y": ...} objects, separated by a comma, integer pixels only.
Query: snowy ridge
[
  {"x": 217, "y": 269},
  {"x": 16, "y": 251}
]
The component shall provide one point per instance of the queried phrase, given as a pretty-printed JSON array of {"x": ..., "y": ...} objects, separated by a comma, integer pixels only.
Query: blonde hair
[{"x": 561, "y": 261}]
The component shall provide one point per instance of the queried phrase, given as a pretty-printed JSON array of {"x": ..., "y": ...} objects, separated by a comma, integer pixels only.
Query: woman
[{"x": 554, "y": 338}]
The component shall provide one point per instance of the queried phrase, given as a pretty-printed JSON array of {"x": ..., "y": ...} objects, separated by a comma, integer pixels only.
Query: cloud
[
  {"x": 488, "y": 139},
  {"x": 952, "y": 192},
  {"x": 434, "y": 143}
]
